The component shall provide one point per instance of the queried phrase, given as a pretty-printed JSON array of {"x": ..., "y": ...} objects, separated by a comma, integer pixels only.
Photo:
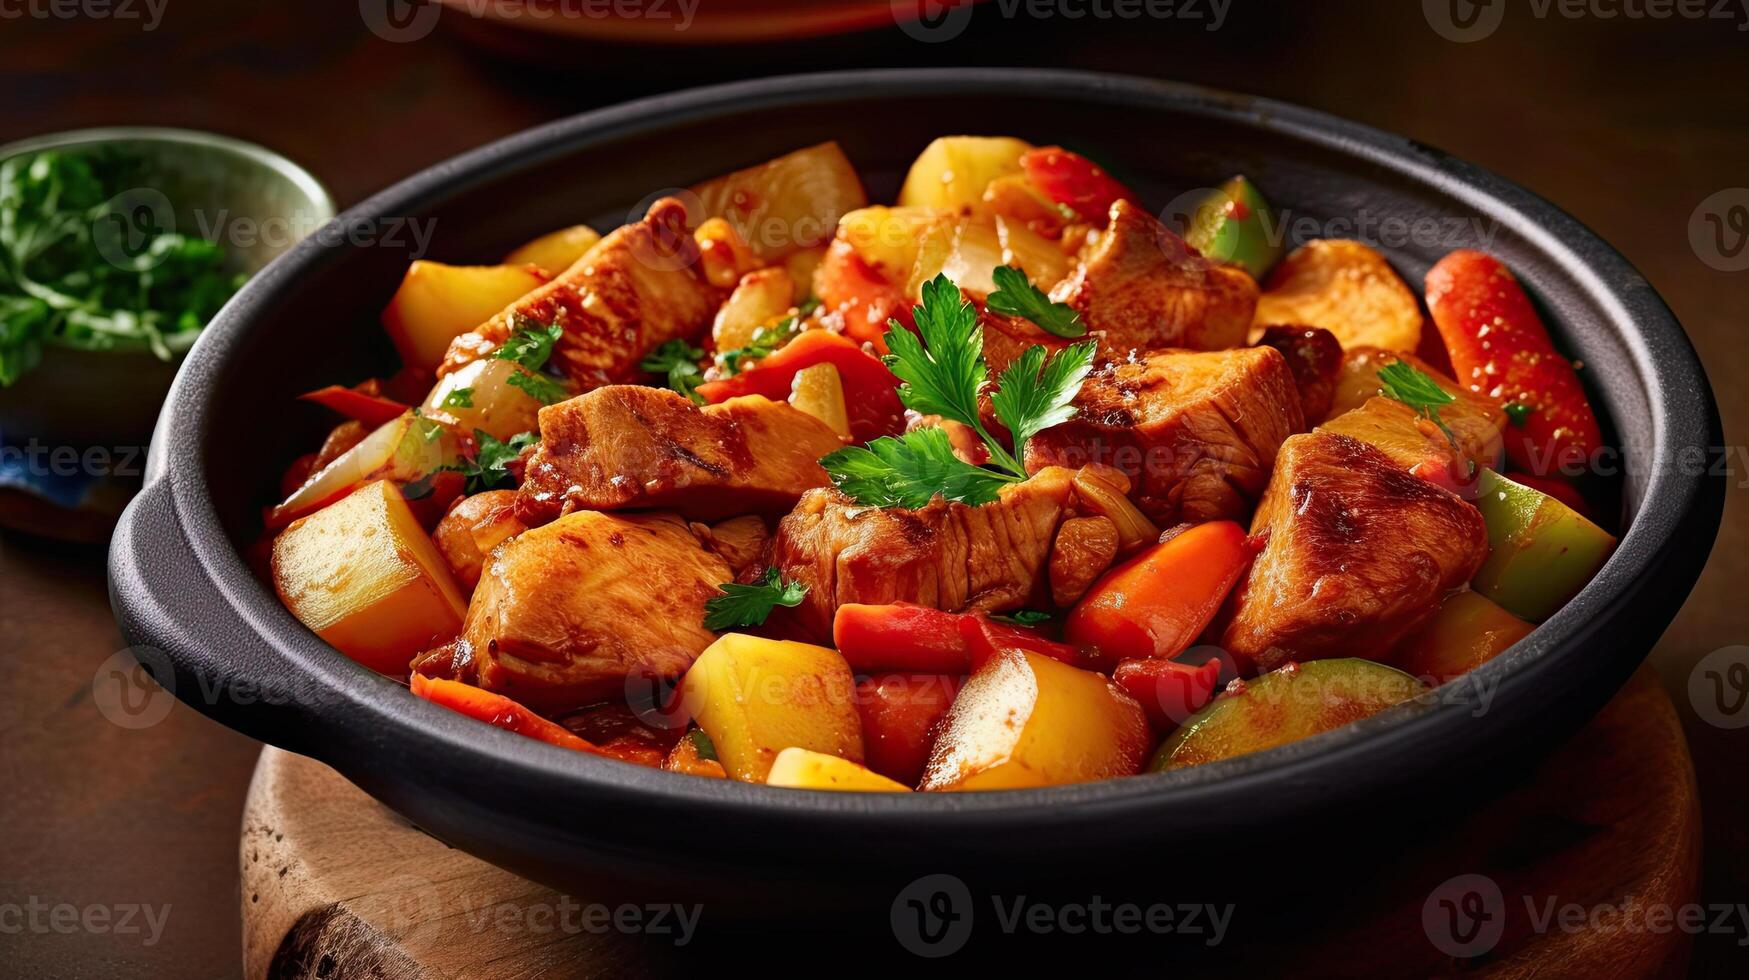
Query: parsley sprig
[
  {"x": 764, "y": 342},
  {"x": 942, "y": 371},
  {"x": 749, "y": 605},
  {"x": 1015, "y": 295},
  {"x": 489, "y": 469},
  {"x": 1413, "y": 387},
  {"x": 677, "y": 361},
  {"x": 531, "y": 346}
]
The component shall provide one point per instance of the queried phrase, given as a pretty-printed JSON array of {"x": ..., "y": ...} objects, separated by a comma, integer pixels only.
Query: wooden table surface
[{"x": 1627, "y": 123}]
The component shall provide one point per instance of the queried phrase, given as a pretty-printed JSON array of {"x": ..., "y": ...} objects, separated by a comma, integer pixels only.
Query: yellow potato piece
[
  {"x": 556, "y": 251},
  {"x": 761, "y": 298},
  {"x": 364, "y": 576},
  {"x": 1348, "y": 289},
  {"x": 818, "y": 391},
  {"x": 1025, "y": 720},
  {"x": 798, "y": 768},
  {"x": 756, "y": 697},
  {"x": 437, "y": 303},
  {"x": 953, "y": 171}
]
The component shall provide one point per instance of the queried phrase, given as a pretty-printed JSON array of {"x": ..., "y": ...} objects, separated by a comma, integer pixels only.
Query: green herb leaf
[
  {"x": 1415, "y": 388},
  {"x": 459, "y": 398},
  {"x": 942, "y": 365},
  {"x": 702, "y": 744},
  {"x": 764, "y": 342},
  {"x": 1517, "y": 412},
  {"x": 749, "y": 605},
  {"x": 677, "y": 361},
  {"x": 85, "y": 264},
  {"x": 910, "y": 470},
  {"x": 1015, "y": 295},
  {"x": 489, "y": 469},
  {"x": 531, "y": 343},
  {"x": 1035, "y": 394},
  {"x": 538, "y": 386},
  {"x": 1023, "y": 617}
]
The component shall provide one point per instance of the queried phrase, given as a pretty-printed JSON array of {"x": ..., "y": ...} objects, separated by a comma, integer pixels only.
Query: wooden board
[{"x": 337, "y": 886}]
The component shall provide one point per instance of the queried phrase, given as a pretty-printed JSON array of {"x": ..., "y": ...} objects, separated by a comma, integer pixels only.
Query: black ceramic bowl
[{"x": 181, "y": 588}]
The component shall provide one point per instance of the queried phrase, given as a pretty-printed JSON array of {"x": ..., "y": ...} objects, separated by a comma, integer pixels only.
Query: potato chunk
[
  {"x": 952, "y": 172},
  {"x": 798, "y": 768},
  {"x": 1348, "y": 289},
  {"x": 555, "y": 251},
  {"x": 756, "y": 697},
  {"x": 1025, "y": 720},
  {"x": 363, "y": 575},
  {"x": 438, "y": 303},
  {"x": 787, "y": 204}
]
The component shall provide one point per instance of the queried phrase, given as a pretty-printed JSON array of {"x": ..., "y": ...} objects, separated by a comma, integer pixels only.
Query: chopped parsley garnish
[
  {"x": 748, "y": 605},
  {"x": 90, "y": 260},
  {"x": 942, "y": 369},
  {"x": 1023, "y": 617},
  {"x": 531, "y": 344},
  {"x": 1415, "y": 388},
  {"x": 539, "y": 387},
  {"x": 764, "y": 342},
  {"x": 1016, "y": 296},
  {"x": 459, "y": 398},
  {"x": 489, "y": 469},
  {"x": 1517, "y": 412},
  {"x": 677, "y": 361}
]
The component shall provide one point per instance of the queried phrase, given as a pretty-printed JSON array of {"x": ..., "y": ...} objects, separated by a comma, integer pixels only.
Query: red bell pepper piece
[
  {"x": 1072, "y": 179},
  {"x": 372, "y": 410},
  {"x": 899, "y": 712},
  {"x": 1168, "y": 691},
  {"x": 871, "y": 394},
  {"x": 1501, "y": 350},
  {"x": 1157, "y": 603},
  {"x": 859, "y": 292},
  {"x": 908, "y": 637},
  {"x": 497, "y": 710}
]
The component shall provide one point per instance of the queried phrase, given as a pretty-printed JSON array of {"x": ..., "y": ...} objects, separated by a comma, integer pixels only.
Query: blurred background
[{"x": 1638, "y": 125}]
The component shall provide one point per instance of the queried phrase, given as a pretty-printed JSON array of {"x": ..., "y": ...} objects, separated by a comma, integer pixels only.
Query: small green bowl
[{"x": 257, "y": 204}]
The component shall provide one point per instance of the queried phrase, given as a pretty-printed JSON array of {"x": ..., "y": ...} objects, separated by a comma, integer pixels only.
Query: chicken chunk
[
  {"x": 627, "y": 447},
  {"x": 946, "y": 555},
  {"x": 1416, "y": 443},
  {"x": 565, "y": 613},
  {"x": 1141, "y": 288},
  {"x": 1359, "y": 552},
  {"x": 472, "y": 529},
  {"x": 637, "y": 289},
  {"x": 1195, "y": 431}
]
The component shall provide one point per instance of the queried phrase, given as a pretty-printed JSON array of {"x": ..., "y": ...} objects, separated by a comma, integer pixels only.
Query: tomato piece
[
  {"x": 1073, "y": 180},
  {"x": 847, "y": 283},
  {"x": 870, "y": 390},
  {"x": 1157, "y": 603},
  {"x": 1169, "y": 691},
  {"x": 899, "y": 712},
  {"x": 985, "y": 638},
  {"x": 1501, "y": 350},
  {"x": 371, "y": 409},
  {"x": 498, "y": 711}
]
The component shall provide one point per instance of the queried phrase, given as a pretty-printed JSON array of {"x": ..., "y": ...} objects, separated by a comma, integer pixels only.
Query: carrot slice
[
  {"x": 1157, "y": 603},
  {"x": 497, "y": 710}
]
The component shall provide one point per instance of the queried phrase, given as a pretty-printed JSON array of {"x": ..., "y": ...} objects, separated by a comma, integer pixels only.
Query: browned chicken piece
[
  {"x": 1196, "y": 431},
  {"x": 1084, "y": 549},
  {"x": 1358, "y": 410},
  {"x": 740, "y": 540},
  {"x": 1359, "y": 552},
  {"x": 946, "y": 555},
  {"x": 473, "y": 527},
  {"x": 565, "y": 613},
  {"x": 1141, "y": 288},
  {"x": 629, "y": 447},
  {"x": 637, "y": 289},
  {"x": 1315, "y": 357},
  {"x": 1008, "y": 337}
]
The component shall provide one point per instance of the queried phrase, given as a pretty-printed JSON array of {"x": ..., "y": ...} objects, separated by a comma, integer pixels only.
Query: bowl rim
[
  {"x": 321, "y": 202},
  {"x": 1678, "y": 393}
]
